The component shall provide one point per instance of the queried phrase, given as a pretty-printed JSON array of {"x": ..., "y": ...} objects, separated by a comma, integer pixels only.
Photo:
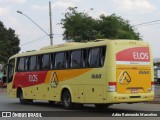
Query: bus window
[
  {"x": 67, "y": 59},
  {"x": 102, "y": 55},
  {"x": 38, "y": 64},
  {"x": 10, "y": 70},
  {"x": 93, "y": 58},
  {"x": 59, "y": 60},
  {"x": 45, "y": 62},
  {"x": 21, "y": 64},
  {"x": 85, "y": 58},
  {"x": 76, "y": 59},
  {"x": 52, "y": 60},
  {"x": 26, "y": 64},
  {"x": 33, "y": 63}
]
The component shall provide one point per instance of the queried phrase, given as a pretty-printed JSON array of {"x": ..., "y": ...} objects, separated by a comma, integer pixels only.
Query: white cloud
[
  {"x": 97, "y": 13},
  {"x": 62, "y": 4},
  {"x": 16, "y": 1},
  {"x": 131, "y": 5},
  {"x": 73, "y": 1},
  {"x": 4, "y": 10},
  {"x": 38, "y": 7},
  {"x": 13, "y": 21}
]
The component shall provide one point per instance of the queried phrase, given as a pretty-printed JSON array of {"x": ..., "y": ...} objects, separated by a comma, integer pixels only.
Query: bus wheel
[
  {"x": 66, "y": 99},
  {"x": 101, "y": 106},
  {"x": 24, "y": 101}
]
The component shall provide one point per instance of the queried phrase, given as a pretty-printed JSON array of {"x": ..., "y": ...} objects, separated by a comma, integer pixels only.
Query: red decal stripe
[
  {"x": 26, "y": 79},
  {"x": 140, "y": 54}
]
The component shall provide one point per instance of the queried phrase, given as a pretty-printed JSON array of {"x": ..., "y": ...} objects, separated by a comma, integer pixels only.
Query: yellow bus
[{"x": 102, "y": 72}]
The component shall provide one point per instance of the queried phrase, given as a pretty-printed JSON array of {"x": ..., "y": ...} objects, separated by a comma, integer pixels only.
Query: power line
[
  {"x": 37, "y": 39},
  {"x": 138, "y": 25},
  {"x": 34, "y": 40},
  {"x": 146, "y": 23}
]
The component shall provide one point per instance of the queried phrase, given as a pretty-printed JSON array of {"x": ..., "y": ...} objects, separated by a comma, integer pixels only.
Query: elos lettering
[{"x": 140, "y": 56}]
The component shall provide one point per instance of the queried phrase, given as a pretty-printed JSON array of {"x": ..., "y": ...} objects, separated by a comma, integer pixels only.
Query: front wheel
[
  {"x": 66, "y": 99},
  {"x": 24, "y": 101}
]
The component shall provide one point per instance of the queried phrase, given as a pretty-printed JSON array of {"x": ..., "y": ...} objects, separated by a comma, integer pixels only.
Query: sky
[{"x": 136, "y": 11}]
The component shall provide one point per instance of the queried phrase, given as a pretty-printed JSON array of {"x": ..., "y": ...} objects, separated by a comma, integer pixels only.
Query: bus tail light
[
  {"x": 112, "y": 86},
  {"x": 153, "y": 85}
]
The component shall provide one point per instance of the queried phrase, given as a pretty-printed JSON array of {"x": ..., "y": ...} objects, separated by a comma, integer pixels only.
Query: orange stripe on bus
[{"x": 66, "y": 74}]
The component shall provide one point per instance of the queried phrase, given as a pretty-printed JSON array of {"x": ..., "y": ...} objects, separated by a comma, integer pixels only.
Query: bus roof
[{"x": 78, "y": 45}]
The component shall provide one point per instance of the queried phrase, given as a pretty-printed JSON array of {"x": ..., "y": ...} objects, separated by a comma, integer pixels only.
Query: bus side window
[
  {"x": 38, "y": 64},
  {"x": 33, "y": 63},
  {"x": 26, "y": 64},
  {"x": 102, "y": 55},
  {"x": 21, "y": 63},
  {"x": 94, "y": 57},
  {"x": 84, "y": 58},
  {"x": 76, "y": 59},
  {"x": 45, "y": 62},
  {"x": 10, "y": 72},
  {"x": 67, "y": 59},
  {"x": 59, "y": 60},
  {"x": 52, "y": 64}
]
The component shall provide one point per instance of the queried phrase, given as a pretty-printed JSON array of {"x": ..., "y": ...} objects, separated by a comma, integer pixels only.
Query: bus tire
[
  {"x": 67, "y": 100},
  {"x": 101, "y": 106},
  {"x": 22, "y": 100}
]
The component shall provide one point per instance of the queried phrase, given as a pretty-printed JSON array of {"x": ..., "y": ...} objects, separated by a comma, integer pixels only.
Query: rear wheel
[{"x": 66, "y": 99}]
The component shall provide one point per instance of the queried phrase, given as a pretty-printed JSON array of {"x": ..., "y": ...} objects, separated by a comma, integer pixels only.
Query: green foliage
[
  {"x": 9, "y": 43},
  {"x": 80, "y": 27},
  {"x": 156, "y": 63}
]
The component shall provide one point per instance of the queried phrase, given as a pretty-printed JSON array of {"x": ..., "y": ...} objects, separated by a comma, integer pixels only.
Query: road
[
  {"x": 12, "y": 104},
  {"x": 157, "y": 90}
]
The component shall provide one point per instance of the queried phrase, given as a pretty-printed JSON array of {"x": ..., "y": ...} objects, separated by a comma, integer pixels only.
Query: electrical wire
[
  {"x": 137, "y": 25},
  {"x": 33, "y": 40},
  {"x": 147, "y": 23},
  {"x": 37, "y": 39}
]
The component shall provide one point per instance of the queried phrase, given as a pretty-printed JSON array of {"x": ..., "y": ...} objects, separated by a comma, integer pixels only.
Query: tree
[
  {"x": 9, "y": 43},
  {"x": 80, "y": 27}
]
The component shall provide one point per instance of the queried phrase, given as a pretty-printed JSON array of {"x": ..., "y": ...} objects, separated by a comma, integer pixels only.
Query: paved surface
[
  {"x": 12, "y": 104},
  {"x": 157, "y": 94},
  {"x": 7, "y": 104}
]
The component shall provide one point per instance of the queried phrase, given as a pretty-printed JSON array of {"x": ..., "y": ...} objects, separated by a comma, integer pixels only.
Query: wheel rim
[
  {"x": 21, "y": 97},
  {"x": 67, "y": 99}
]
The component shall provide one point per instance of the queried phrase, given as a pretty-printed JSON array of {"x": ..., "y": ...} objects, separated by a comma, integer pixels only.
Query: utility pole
[{"x": 50, "y": 17}]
